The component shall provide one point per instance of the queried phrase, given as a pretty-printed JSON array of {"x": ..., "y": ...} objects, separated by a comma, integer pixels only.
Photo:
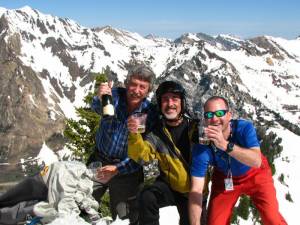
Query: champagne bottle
[{"x": 107, "y": 105}]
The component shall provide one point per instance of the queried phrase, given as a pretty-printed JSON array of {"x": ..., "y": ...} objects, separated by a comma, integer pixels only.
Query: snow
[
  {"x": 168, "y": 215},
  {"x": 260, "y": 84},
  {"x": 291, "y": 46},
  {"x": 288, "y": 164},
  {"x": 2, "y": 10},
  {"x": 46, "y": 155}
]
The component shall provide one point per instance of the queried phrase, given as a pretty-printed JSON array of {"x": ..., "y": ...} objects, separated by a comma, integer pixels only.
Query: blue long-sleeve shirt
[{"x": 112, "y": 135}]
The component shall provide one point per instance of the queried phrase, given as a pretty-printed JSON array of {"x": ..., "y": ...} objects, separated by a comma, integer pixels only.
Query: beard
[{"x": 171, "y": 116}]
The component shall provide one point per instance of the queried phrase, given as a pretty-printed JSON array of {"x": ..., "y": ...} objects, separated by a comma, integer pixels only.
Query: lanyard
[
  {"x": 229, "y": 173},
  {"x": 230, "y": 138}
]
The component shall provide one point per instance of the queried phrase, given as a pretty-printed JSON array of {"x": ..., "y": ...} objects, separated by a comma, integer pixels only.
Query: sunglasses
[{"x": 218, "y": 113}]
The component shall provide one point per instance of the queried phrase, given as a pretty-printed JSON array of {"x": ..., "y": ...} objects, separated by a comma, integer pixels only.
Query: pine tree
[{"x": 81, "y": 133}]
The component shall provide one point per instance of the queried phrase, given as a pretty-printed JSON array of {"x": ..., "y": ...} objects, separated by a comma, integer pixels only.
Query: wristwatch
[{"x": 230, "y": 147}]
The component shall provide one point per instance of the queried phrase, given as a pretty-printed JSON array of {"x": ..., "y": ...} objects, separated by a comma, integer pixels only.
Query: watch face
[{"x": 230, "y": 147}]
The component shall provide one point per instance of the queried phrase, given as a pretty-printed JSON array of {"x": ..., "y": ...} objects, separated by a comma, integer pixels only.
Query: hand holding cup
[
  {"x": 137, "y": 123},
  {"x": 95, "y": 168}
]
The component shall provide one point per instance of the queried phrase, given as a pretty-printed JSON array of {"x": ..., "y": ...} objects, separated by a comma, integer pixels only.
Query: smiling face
[
  {"x": 223, "y": 121},
  {"x": 171, "y": 105},
  {"x": 137, "y": 90}
]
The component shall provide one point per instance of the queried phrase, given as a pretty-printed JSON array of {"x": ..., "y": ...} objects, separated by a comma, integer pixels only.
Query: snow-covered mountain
[{"x": 46, "y": 61}]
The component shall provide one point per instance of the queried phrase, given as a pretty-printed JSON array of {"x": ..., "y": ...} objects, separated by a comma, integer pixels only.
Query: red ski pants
[{"x": 257, "y": 183}]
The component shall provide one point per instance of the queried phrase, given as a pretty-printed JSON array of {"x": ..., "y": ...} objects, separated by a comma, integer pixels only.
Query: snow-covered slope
[{"x": 48, "y": 41}]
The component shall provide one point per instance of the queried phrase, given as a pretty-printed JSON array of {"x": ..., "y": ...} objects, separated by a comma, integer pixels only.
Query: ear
[{"x": 229, "y": 115}]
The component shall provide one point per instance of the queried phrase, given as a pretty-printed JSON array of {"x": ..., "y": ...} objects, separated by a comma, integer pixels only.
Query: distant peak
[
  {"x": 2, "y": 10},
  {"x": 187, "y": 38},
  {"x": 107, "y": 27},
  {"x": 151, "y": 36},
  {"x": 26, "y": 7},
  {"x": 231, "y": 37}
]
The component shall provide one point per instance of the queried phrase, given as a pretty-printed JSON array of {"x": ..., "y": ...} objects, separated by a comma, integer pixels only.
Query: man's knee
[{"x": 147, "y": 197}]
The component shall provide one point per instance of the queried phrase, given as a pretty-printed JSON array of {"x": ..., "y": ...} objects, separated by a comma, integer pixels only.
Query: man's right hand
[
  {"x": 132, "y": 125},
  {"x": 104, "y": 88}
]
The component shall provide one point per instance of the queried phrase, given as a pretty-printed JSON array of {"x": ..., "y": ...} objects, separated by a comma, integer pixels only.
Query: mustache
[
  {"x": 135, "y": 95},
  {"x": 171, "y": 107}
]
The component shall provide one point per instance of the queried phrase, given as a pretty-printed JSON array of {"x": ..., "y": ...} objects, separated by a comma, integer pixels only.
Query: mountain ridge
[{"x": 61, "y": 54}]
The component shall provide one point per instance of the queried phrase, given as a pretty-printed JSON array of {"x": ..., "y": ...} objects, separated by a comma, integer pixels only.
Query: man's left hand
[{"x": 106, "y": 173}]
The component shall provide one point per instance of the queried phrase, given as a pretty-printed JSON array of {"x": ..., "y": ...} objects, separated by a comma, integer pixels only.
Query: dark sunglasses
[{"x": 218, "y": 113}]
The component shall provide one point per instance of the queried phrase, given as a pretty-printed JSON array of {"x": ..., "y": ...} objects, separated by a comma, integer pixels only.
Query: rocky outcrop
[{"x": 25, "y": 123}]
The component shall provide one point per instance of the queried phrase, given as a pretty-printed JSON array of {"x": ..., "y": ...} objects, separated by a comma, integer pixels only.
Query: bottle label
[{"x": 108, "y": 110}]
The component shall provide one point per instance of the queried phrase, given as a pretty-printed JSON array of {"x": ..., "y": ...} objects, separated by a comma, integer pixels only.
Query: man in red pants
[{"x": 239, "y": 168}]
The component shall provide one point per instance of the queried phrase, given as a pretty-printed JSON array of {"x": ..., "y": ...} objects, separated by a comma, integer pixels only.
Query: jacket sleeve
[
  {"x": 96, "y": 105},
  {"x": 127, "y": 166},
  {"x": 140, "y": 150}
]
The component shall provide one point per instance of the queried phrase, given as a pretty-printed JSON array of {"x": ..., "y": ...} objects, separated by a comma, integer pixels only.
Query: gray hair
[{"x": 142, "y": 72}]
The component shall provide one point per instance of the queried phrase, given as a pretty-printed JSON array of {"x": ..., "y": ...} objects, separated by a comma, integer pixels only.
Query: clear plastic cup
[
  {"x": 203, "y": 139},
  {"x": 141, "y": 119},
  {"x": 95, "y": 167}
]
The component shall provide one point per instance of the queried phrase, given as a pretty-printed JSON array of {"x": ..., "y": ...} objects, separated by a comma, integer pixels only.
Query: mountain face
[{"x": 45, "y": 65}]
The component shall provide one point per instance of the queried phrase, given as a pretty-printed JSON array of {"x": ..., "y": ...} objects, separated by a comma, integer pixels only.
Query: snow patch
[{"x": 46, "y": 156}]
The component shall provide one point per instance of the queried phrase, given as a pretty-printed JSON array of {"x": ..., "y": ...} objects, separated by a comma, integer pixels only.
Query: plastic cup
[
  {"x": 203, "y": 139},
  {"x": 94, "y": 167},
  {"x": 141, "y": 120}
]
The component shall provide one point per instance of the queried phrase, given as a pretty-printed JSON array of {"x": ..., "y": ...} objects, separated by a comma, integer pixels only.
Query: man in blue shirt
[
  {"x": 239, "y": 168},
  {"x": 119, "y": 174}
]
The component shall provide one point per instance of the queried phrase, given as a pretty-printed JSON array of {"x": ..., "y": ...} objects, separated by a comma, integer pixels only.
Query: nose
[
  {"x": 171, "y": 102},
  {"x": 213, "y": 120}
]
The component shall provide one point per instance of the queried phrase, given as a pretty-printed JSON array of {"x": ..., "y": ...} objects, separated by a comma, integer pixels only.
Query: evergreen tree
[{"x": 81, "y": 133}]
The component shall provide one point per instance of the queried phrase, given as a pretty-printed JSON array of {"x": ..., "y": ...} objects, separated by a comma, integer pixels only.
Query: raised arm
[{"x": 249, "y": 156}]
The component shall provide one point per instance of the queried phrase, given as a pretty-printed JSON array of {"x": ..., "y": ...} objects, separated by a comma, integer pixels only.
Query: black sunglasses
[{"x": 218, "y": 113}]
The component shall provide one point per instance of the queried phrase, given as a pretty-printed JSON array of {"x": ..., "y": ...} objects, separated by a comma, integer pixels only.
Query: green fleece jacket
[{"x": 159, "y": 145}]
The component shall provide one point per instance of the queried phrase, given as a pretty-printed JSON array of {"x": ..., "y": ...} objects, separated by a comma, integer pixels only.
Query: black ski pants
[
  {"x": 18, "y": 202},
  {"x": 31, "y": 188},
  {"x": 122, "y": 191},
  {"x": 158, "y": 195}
]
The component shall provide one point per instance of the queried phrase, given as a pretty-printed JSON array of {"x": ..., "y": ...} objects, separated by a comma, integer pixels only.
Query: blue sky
[{"x": 172, "y": 18}]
